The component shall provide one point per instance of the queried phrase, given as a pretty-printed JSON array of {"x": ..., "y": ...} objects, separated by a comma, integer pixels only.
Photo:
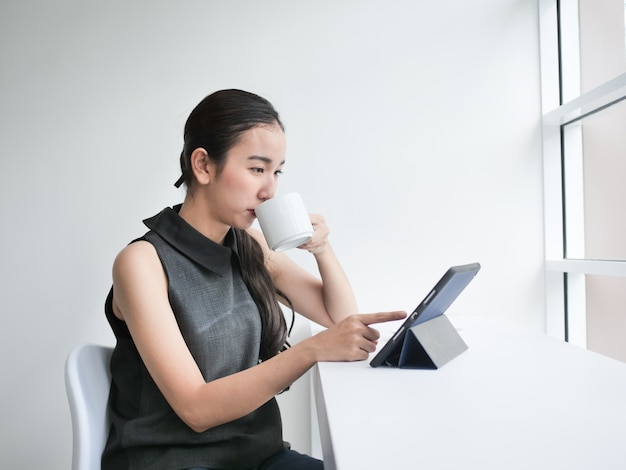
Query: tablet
[{"x": 434, "y": 304}]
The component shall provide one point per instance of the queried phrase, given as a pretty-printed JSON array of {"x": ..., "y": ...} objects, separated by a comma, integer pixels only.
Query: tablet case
[{"x": 431, "y": 344}]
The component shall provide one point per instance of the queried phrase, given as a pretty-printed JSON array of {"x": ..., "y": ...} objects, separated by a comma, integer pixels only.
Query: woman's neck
[{"x": 198, "y": 214}]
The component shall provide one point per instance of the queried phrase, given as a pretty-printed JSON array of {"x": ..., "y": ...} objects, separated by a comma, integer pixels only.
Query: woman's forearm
[
  {"x": 337, "y": 293},
  {"x": 232, "y": 397}
]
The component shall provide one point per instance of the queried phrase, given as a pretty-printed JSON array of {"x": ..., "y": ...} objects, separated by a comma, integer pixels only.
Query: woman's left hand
[{"x": 319, "y": 242}]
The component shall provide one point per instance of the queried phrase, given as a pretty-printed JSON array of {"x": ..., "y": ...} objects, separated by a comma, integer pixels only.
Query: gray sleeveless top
[{"x": 221, "y": 325}]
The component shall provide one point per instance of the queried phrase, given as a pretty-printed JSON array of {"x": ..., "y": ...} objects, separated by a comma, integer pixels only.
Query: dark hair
[
  {"x": 264, "y": 293},
  {"x": 216, "y": 124}
]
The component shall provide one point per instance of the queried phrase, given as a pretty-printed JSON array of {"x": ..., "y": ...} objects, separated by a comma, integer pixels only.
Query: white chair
[{"x": 87, "y": 383}]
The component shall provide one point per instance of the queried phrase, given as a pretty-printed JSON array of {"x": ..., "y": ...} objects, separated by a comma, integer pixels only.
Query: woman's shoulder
[
  {"x": 137, "y": 272},
  {"x": 139, "y": 253}
]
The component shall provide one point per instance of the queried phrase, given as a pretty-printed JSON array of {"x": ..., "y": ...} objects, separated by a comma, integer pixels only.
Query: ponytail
[{"x": 256, "y": 276}]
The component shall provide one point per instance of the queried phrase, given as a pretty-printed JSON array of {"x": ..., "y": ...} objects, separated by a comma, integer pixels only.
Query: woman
[{"x": 201, "y": 338}]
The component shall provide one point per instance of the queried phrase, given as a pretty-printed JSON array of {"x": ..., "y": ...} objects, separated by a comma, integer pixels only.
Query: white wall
[{"x": 413, "y": 126}]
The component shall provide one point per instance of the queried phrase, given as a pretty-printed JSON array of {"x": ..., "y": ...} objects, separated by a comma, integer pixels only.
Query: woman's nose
[{"x": 268, "y": 190}]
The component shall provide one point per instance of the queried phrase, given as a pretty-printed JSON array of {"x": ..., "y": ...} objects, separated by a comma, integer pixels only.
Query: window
[{"x": 583, "y": 66}]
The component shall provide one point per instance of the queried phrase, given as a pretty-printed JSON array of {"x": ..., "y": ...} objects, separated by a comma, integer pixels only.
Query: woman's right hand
[{"x": 352, "y": 339}]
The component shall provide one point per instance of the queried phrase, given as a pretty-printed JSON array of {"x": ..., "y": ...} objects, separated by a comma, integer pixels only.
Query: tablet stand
[{"x": 431, "y": 344}]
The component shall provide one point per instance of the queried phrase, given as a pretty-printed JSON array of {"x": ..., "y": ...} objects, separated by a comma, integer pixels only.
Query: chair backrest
[{"x": 87, "y": 383}]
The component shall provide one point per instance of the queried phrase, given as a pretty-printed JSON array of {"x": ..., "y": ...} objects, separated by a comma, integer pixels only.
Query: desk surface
[{"x": 513, "y": 400}]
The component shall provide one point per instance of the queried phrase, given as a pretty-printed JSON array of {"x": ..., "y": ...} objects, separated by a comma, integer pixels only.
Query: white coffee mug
[{"x": 284, "y": 221}]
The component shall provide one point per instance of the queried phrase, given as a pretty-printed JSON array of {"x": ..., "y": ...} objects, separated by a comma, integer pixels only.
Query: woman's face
[{"x": 249, "y": 176}]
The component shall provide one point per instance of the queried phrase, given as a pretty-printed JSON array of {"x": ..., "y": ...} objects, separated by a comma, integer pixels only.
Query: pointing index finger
[{"x": 381, "y": 317}]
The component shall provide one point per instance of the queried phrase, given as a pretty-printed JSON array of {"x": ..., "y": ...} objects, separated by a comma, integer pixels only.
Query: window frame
[{"x": 565, "y": 276}]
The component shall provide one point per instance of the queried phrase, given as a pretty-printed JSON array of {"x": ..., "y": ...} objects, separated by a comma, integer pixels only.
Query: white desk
[{"x": 513, "y": 400}]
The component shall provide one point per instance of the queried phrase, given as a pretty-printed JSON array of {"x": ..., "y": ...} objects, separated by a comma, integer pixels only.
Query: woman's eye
[
  {"x": 278, "y": 172},
  {"x": 257, "y": 170}
]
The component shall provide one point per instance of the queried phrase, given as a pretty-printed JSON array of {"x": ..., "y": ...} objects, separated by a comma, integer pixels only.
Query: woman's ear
[{"x": 201, "y": 165}]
